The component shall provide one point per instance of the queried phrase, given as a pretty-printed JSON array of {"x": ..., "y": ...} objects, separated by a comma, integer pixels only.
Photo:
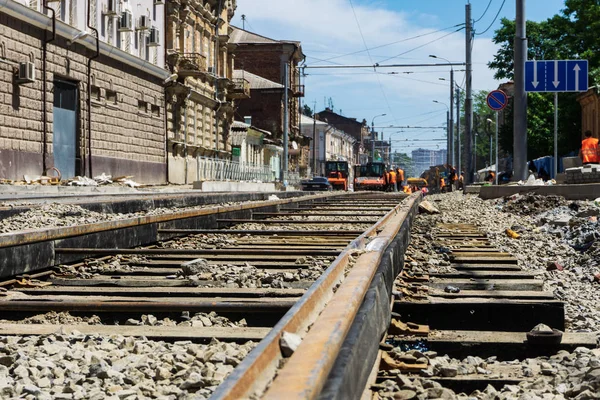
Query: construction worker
[
  {"x": 400, "y": 178},
  {"x": 386, "y": 181},
  {"x": 393, "y": 187},
  {"x": 451, "y": 177},
  {"x": 461, "y": 181},
  {"x": 442, "y": 185},
  {"x": 589, "y": 152}
]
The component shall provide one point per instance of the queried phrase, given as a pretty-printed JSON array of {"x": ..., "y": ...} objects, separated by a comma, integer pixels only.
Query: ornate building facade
[{"x": 201, "y": 89}]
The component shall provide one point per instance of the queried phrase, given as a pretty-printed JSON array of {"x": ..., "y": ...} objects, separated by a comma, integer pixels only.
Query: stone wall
[{"x": 128, "y": 121}]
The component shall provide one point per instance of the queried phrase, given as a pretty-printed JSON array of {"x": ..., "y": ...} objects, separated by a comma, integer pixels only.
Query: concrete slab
[
  {"x": 215, "y": 186},
  {"x": 588, "y": 191},
  {"x": 473, "y": 189}
]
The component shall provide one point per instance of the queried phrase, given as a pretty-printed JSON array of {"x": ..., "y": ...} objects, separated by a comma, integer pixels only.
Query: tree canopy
[{"x": 571, "y": 34}]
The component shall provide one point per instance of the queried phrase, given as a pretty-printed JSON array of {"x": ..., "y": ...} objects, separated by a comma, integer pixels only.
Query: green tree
[
  {"x": 571, "y": 34},
  {"x": 306, "y": 110}
]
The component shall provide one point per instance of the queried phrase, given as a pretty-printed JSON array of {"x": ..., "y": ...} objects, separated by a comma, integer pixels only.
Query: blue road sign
[
  {"x": 535, "y": 74},
  {"x": 556, "y": 76},
  {"x": 577, "y": 76},
  {"x": 497, "y": 100}
]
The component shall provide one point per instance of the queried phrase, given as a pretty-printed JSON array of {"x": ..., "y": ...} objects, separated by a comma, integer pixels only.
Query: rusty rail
[{"x": 330, "y": 315}]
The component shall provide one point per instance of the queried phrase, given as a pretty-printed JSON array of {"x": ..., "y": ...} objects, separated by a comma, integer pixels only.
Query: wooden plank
[
  {"x": 166, "y": 306},
  {"x": 504, "y": 345},
  {"x": 483, "y": 314},
  {"x": 156, "y": 282},
  {"x": 202, "y": 252},
  {"x": 493, "y": 294},
  {"x": 465, "y": 274},
  {"x": 258, "y": 264},
  {"x": 150, "y": 332},
  {"x": 491, "y": 259},
  {"x": 164, "y": 272},
  {"x": 485, "y": 267},
  {"x": 296, "y": 222},
  {"x": 488, "y": 284},
  {"x": 108, "y": 297},
  {"x": 265, "y": 232},
  {"x": 166, "y": 291}
]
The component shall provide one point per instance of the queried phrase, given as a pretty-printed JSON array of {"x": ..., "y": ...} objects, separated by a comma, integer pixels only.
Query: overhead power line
[
  {"x": 495, "y": 18},
  {"x": 393, "y": 43},
  {"x": 423, "y": 45},
  {"x": 485, "y": 12},
  {"x": 371, "y": 59}
]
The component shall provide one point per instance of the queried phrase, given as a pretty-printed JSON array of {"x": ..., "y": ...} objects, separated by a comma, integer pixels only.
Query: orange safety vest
[
  {"x": 589, "y": 150},
  {"x": 400, "y": 177},
  {"x": 392, "y": 177},
  {"x": 442, "y": 183}
]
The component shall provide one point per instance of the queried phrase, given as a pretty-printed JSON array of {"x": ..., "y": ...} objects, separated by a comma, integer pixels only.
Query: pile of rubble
[
  {"x": 79, "y": 366},
  {"x": 545, "y": 246},
  {"x": 200, "y": 273},
  {"x": 565, "y": 375}
]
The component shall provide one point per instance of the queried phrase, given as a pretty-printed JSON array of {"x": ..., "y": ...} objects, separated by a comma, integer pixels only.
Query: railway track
[
  {"x": 480, "y": 309},
  {"x": 302, "y": 266}
]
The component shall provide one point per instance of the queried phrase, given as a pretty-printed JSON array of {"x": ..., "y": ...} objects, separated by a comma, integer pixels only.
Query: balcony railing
[
  {"x": 192, "y": 64},
  {"x": 239, "y": 89},
  {"x": 298, "y": 90}
]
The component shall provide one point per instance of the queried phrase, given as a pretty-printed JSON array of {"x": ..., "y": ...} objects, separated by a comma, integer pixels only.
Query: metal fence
[{"x": 213, "y": 169}]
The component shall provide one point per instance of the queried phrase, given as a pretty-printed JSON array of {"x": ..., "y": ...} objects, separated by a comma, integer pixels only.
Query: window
[
  {"x": 142, "y": 106},
  {"x": 155, "y": 110},
  {"x": 111, "y": 97},
  {"x": 95, "y": 93}
]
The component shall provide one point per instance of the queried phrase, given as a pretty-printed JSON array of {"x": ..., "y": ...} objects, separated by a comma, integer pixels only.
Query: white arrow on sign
[
  {"x": 535, "y": 81},
  {"x": 576, "y": 69},
  {"x": 556, "y": 82}
]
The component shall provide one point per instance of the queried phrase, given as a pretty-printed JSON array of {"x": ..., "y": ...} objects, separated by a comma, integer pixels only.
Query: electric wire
[
  {"x": 421, "y": 46},
  {"x": 393, "y": 43},
  {"x": 369, "y": 53},
  {"x": 495, "y": 18},
  {"x": 485, "y": 12}
]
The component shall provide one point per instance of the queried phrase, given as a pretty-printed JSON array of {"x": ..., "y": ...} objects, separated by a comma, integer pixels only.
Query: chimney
[{"x": 248, "y": 119}]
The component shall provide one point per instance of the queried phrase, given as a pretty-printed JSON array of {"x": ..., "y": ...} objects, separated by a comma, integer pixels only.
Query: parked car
[{"x": 316, "y": 183}]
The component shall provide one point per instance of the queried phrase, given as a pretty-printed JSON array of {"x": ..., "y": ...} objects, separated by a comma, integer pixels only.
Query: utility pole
[
  {"x": 448, "y": 142},
  {"x": 315, "y": 139},
  {"x": 244, "y": 21},
  {"x": 458, "y": 144},
  {"x": 452, "y": 158},
  {"x": 286, "y": 123},
  {"x": 469, "y": 98},
  {"x": 520, "y": 96}
]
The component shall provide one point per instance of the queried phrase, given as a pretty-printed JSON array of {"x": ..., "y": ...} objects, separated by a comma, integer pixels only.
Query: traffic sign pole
[
  {"x": 497, "y": 147},
  {"x": 555, "y": 134},
  {"x": 497, "y": 101}
]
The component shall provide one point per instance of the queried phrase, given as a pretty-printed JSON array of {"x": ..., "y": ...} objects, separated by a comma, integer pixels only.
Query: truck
[
  {"x": 370, "y": 176},
  {"x": 337, "y": 173}
]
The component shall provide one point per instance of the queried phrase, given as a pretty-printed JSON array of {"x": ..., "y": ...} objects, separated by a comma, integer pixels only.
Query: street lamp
[
  {"x": 496, "y": 123},
  {"x": 373, "y": 135},
  {"x": 450, "y": 157}
]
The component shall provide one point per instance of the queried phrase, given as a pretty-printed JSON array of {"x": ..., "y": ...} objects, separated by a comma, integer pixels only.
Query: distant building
[
  {"x": 423, "y": 159},
  {"x": 331, "y": 145},
  {"x": 358, "y": 130},
  {"x": 590, "y": 111}
]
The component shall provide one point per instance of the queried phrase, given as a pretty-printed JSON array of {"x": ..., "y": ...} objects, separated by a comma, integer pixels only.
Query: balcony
[
  {"x": 298, "y": 90},
  {"x": 192, "y": 64},
  {"x": 238, "y": 89}
]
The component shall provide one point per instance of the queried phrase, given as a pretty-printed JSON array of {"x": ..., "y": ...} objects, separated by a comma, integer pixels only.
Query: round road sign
[{"x": 497, "y": 100}]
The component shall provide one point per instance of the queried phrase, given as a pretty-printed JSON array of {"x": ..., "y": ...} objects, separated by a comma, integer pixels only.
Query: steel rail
[
  {"x": 26, "y": 237},
  {"x": 257, "y": 370}
]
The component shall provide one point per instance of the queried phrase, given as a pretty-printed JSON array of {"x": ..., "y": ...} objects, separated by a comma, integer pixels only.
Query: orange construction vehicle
[
  {"x": 370, "y": 176},
  {"x": 337, "y": 174}
]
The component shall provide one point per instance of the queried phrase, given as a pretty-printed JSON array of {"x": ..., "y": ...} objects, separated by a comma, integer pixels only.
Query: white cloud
[{"x": 328, "y": 29}]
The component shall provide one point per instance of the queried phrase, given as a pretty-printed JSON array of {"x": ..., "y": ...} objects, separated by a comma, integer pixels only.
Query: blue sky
[{"x": 328, "y": 29}]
